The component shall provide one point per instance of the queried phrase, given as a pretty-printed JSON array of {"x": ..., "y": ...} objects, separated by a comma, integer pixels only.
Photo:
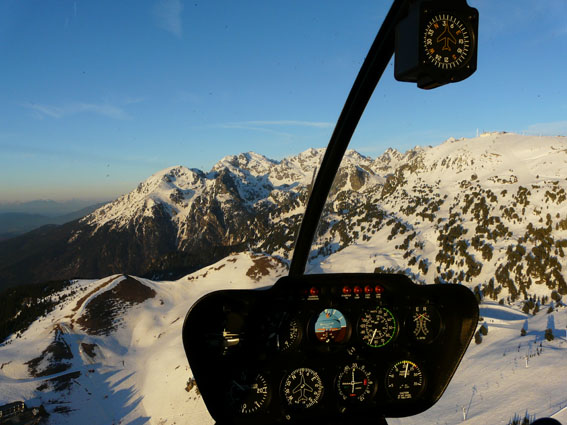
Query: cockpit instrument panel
[{"x": 325, "y": 347}]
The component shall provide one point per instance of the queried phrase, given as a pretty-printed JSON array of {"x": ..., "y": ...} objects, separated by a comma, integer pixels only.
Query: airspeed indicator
[{"x": 377, "y": 327}]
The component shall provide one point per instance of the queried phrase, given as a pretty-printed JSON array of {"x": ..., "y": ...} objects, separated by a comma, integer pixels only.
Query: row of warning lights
[{"x": 348, "y": 290}]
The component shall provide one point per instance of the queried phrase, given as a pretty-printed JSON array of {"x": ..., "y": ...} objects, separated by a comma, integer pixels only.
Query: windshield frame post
[{"x": 371, "y": 71}]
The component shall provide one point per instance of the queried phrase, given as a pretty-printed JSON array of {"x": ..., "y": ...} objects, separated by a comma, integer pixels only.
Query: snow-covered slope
[
  {"x": 135, "y": 371},
  {"x": 112, "y": 351},
  {"x": 489, "y": 212}
]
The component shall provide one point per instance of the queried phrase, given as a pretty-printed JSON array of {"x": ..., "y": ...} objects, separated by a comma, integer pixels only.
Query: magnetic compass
[
  {"x": 447, "y": 41},
  {"x": 436, "y": 43}
]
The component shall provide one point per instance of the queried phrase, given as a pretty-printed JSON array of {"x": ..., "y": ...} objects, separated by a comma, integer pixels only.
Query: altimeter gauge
[
  {"x": 355, "y": 383},
  {"x": 404, "y": 380},
  {"x": 302, "y": 388},
  {"x": 377, "y": 327},
  {"x": 248, "y": 393}
]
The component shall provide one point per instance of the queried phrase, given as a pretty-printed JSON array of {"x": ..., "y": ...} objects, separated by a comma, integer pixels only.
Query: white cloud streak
[
  {"x": 556, "y": 128},
  {"x": 51, "y": 111},
  {"x": 167, "y": 14},
  {"x": 282, "y": 123}
]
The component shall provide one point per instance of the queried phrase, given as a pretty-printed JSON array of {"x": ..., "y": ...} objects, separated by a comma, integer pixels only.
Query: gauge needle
[
  {"x": 406, "y": 371},
  {"x": 373, "y": 335},
  {"x": 238, "y": 385}
]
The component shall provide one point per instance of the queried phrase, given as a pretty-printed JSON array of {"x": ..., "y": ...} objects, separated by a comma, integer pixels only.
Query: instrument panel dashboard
[{"x": 338, "y": 348}]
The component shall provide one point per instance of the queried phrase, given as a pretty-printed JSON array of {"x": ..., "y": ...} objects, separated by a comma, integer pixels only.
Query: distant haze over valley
[{"x": 48, "y": 207}]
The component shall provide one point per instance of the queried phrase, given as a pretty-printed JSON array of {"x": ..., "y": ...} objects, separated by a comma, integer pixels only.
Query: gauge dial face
[
  {"x": 331, "y": 326},
  {"x": 377, "y": 327},
  {"x": 303, "y": 388},
  {"x": 355, "y": 383},
  {"x": 248, "y": 393},
  {"x": 426, "y": 323},
  {"x": 289, "y": 335},
  {"x": 447, "y": 42},
  {"x": 404, "y": 380}
]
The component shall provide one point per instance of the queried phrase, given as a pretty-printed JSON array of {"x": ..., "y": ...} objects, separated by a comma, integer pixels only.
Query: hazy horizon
[{"x": 97, "y": 96}]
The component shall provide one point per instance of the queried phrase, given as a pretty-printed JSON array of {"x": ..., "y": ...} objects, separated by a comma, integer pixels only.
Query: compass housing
[{"x": 436, "y": 43}]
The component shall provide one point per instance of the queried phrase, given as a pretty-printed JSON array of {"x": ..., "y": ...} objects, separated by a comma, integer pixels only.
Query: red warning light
[
  {"x": 378, "y": 289},
  {"x": 368, "y": 289},
  {"x": 347, "y": 290},
  {"x": 358, "y": 290},
  {"x": 314, "y": 291}
]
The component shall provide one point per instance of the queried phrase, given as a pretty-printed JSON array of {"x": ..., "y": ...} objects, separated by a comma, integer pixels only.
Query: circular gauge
[
  {"x": 404, "y": 380},
  {"x": 447, "y": 41},
  {"x": 289, "y": 335},
  {"x": 303, "y": 388},
  {"x": 377, "y": 327},
  {"x": 330, "y": 326},
  {"x": 425, "y": 323},
  {"x": 248, "y": 393},
  {"x": 281, "y": 332},
  {"x": 355, "y": 383}
]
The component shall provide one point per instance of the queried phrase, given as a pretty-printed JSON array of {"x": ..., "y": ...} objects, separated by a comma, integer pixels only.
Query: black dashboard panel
[{"x": 337, "y": 348}]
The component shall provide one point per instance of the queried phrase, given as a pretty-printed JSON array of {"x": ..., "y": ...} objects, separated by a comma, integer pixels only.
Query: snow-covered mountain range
[{"x": 488, "y": 211}]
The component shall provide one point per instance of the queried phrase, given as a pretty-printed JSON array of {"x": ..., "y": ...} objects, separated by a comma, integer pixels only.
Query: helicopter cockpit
[{"x": 344, "y": 348}]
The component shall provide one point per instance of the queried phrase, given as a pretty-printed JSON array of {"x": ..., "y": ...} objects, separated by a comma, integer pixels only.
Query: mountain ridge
[{"x": 444, "y": 213}]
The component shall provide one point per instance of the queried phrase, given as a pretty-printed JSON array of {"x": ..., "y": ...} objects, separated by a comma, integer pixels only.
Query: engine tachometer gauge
[
  {"x": 355, "y": 383},
  {"x": 330, "y": 326},
  {"x": 426, "y": 323},
  {"x": 404, "y": 380},
  {"x": 302, "y": 388},
  {"x": 248, "y": 393},
  {"x": 377, "y": 327}
]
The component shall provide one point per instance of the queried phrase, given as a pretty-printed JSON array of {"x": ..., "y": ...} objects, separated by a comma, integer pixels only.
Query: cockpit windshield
[
  {"x": 463, "y": 185},
  {"x": 154, "y": 152}
]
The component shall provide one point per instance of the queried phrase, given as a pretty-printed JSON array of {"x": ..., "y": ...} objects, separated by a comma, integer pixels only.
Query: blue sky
[{"x": 99, "y": 95}]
